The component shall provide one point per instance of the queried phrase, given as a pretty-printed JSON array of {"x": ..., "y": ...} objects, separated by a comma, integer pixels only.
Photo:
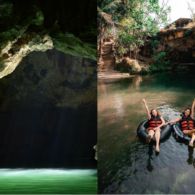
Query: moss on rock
[
  {"x": 129, "y": 65},
  {"x": 68, "y": 43}
]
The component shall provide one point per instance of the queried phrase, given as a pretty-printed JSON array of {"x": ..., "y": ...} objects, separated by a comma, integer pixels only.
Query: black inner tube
[
  {"x": 142, "y": 131},
  {"x": 179, "y": 133}
]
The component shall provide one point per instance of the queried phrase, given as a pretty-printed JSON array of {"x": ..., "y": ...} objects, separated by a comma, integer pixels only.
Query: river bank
[
  {"x": 172, "y": 48},
  {"x": 120, "y": 73},
  {"x": 112, "y": 75}
]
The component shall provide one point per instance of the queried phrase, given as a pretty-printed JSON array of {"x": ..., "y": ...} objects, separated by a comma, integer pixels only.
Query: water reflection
[
  {"x": 191, "y": 159},
  {"x": 136, "y": 82},
  {"x": 150, "y": 153},
  {"x": 47, "y": 181},
  {"x": 128, "y": 165}
]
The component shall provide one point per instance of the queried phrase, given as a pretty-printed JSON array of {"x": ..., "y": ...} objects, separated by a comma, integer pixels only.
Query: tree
[
  {"x": 134, "y": 20},
  {"x": 142, "y": 20},
  {"x": 105, "y": 19},
  {"x": 192, "y": 10}
]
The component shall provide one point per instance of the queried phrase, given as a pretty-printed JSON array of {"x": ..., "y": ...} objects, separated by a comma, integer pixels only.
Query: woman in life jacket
[
  {"x": 187, "y": 123},
  {"x": 155, "y": 122}
]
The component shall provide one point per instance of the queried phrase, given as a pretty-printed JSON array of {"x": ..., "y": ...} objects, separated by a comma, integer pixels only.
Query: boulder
[{"x": 131, "y": 65}]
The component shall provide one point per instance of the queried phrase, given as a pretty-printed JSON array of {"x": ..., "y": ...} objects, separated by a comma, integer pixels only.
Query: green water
[
  {"x": 47, "y": 181},
  {"x": 127, "y": 165}
]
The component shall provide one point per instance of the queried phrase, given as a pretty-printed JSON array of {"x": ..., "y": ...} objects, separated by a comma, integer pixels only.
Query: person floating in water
[
  {"x": 187, "y": 123},
  {"x": 155, "y": 122}
]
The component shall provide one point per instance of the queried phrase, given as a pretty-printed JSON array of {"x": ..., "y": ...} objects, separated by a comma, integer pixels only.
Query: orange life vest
[
  {"x": 154, "y": 122},
  {"x": 187, "y": 123}
]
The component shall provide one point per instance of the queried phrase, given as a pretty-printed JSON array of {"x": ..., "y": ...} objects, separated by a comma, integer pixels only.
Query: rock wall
[
  {"x": 55, "y": 12},
  {"x": 178, "y": 43},
  {"x": 107, "y": 59},
  {"x": 48, "y": 111}
]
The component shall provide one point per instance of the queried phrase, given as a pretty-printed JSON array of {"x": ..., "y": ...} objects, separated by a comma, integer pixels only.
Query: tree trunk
[{"x": 130, "y": 53}]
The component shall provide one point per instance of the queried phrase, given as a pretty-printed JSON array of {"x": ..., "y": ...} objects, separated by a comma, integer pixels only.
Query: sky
[{"x": 179, "y": 8}]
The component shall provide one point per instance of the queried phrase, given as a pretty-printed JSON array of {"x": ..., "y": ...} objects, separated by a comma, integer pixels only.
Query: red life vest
[
  {"x": 187, "y": 123},
  {"x": 154, "y": 122}
]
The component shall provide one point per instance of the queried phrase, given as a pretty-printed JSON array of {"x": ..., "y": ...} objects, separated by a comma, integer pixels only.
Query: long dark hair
[
  {"x": 158, "y": 113},
  {"x": 183, "y": 113}
]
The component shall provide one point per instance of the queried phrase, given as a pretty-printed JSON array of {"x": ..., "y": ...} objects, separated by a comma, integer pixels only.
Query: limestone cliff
[
  {"x": 51, "y": 76},
  {"x": 177, "y": 40},
  {"x": 48, "y": 106},
  {"x": 48, "y": 111}
]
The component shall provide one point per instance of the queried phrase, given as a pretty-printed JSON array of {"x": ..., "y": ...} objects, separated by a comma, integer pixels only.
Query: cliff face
[
  {"x": 13, "y": 53},
  {"x": 71, "y": 26},
  {"x": 177, "y": 41},
  {"x": 77, "y": 17},
  {"x": 48, "y": 111},
  {"x": 55, "y": 76},
  {"x": 179, "y": 44},
  {"x": 47, "y": 83}
]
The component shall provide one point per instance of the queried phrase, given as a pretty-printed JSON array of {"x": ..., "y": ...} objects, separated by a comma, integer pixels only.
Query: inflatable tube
[
  {"x": 179, "y": 134},
  {"x": 142, "y": 131}
]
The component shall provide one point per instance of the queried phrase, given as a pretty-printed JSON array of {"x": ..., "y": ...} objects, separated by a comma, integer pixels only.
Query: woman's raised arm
[{"x": 147, "y": 109}]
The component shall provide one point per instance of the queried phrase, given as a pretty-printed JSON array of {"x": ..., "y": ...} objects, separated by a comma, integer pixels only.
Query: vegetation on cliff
[
  {"x": 27, "y": 22},
  {"x": 129, "y": 23}
]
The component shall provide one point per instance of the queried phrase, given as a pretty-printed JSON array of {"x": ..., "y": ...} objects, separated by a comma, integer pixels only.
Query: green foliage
[
  {"x": 188, "y": 32},
  {"x": 38, "y": 19},
  {"x": 70, "y": 44},
  {"x": 154, "y": 44},
  {"x": 15, "y": 27},
  {"x": 134, "y": 20},
  {"x": 145, "y": 18},
  {"x": 160, "y": 62},
  {"x": 5, "y": 10},
  {"x": 9, "y": 35}
]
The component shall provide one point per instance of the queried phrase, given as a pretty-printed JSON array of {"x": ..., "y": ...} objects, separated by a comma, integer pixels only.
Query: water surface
[
  {"x": 127, "y": 165},
  {"x": 48, "y": 181}
]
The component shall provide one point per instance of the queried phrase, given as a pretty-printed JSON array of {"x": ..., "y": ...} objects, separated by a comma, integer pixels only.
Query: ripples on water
[
  {"x": 127, "y": 165},
  {"x": 48, "y": 181}
]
